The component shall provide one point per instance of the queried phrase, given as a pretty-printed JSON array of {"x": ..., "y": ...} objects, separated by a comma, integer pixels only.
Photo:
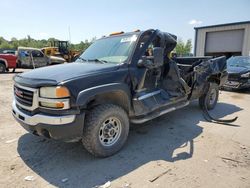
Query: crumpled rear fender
[{"x": 211, "y": 69}]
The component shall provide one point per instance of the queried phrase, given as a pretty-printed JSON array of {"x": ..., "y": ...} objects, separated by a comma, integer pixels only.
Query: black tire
[
  {"x": 19, "y": 64},
  {"x": 94, "y": 122},
  {"x": 2, "y": 68},
  {"x": 210, "y": 97}
]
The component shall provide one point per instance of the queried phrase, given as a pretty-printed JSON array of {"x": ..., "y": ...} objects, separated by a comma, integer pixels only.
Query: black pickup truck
[{"x": 120, "y": 79}]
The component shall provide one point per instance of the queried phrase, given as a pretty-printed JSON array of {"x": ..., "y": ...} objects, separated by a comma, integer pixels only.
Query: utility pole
[{"x": 69, "y": 35}]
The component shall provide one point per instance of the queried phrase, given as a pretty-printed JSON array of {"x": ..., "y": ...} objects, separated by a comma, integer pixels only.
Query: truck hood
[
  {"x": 58, "y": 73},
  {"x": 57, "y": 59},
  {"x": 239, "y": 70}
]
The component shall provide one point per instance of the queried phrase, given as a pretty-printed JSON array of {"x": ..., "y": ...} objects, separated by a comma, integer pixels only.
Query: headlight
[
  {"x": 54, "y": 97},
  {"x": 54, "y": 92},
  {"x": 246, "y": 75}
]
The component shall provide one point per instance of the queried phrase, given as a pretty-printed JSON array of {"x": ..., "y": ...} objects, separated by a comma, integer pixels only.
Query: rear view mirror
[{"x": 142, "y": 61}]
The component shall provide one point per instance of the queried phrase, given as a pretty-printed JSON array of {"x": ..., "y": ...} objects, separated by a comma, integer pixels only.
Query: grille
[{"x": 23, "y": 96}]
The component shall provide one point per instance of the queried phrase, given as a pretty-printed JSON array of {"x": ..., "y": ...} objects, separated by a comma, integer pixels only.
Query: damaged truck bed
[{"x": 122, "y": 78}]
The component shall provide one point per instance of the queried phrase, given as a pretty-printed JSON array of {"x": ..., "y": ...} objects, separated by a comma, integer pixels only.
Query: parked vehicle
[
  {"x": 7, "y": 61},
  {"x": 34, "y": 58},
  {"x": 9, "y": 52},
  {"x": 122, "y": 78},
  {"x": 61, "y": 49},
  {"x": 238, "y": 68}
]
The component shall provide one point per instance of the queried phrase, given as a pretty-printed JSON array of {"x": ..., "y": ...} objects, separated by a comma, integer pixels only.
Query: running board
[{"x": 158, "y": 113}]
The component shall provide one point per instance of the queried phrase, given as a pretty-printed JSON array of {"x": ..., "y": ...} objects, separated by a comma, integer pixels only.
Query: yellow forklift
[{"x": 61, "y": 49}]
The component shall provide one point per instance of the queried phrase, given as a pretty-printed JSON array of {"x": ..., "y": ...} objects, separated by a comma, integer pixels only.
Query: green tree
[
  {"x": 14, "y": 43},
  {"x": 6, "y": 45},
  {"x": 182, "y": 48}
]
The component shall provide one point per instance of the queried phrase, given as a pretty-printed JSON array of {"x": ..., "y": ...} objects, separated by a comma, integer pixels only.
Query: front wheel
[
  {"x": 2, "y": 67},
  {"x": 210, "y": 98},
  {"x": 106, "y": 130}
]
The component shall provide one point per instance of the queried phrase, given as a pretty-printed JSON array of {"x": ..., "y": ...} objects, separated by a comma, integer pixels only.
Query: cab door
[
  {"x": 24, "y": 58},
  {"x": 149, "y": 95},
  {"x": 149, "y": 81},
  {"x": 38, "y": 59}
]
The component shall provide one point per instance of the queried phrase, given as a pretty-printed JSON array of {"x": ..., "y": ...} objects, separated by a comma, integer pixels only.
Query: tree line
[
  {"x": 182, "y": 48},
  {"x": 14, "y": 43}
]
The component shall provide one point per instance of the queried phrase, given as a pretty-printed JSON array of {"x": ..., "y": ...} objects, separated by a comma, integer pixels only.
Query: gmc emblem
[{"x": 18, "y": 92}]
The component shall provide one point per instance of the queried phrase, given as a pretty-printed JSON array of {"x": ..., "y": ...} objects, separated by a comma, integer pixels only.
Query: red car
[{"x": 7, "y": 61}]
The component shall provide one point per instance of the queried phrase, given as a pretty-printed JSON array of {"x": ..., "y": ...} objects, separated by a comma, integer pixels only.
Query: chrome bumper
[{"x": 39, "y": 118}]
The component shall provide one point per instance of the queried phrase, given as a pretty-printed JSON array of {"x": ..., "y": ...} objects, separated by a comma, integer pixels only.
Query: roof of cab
[
  {"x": 28, "y": 48},
  {"x": 122, "y": 33}
]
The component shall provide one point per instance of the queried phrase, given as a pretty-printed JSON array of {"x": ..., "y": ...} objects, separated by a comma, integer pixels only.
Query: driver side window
[{"x": 37, "y": 53}]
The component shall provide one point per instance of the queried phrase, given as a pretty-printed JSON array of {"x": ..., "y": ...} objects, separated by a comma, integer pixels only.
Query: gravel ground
[{"x": 179, "y": 149}]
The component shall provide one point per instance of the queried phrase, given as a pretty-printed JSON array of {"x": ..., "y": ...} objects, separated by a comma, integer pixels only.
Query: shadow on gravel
[
  {"x": 155, "y": 140},
  {"x": 223, "y": 109},
  {"x": 244, "y": 91}
]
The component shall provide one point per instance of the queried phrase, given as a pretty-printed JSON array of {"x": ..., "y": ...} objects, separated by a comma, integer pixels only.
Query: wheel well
[
  {"x": 115, "y": 97},
  {"x": 215, "y": 78},
  {"x": 2, "y": 62}
]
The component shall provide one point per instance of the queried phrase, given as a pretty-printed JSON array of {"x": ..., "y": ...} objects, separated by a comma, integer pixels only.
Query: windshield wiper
[
  {"x": 93, "y": 60},
  {"x": 237, "y": 65},
  {"x": 82, "y": 59},
  {"x": 97, "y": 60}
]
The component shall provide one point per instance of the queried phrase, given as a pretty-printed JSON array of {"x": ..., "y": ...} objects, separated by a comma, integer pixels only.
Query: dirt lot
[{"x": 179, "y": 149}]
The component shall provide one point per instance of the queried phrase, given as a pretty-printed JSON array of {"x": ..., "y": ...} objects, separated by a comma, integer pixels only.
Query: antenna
[{"x": 69, "y": 35}]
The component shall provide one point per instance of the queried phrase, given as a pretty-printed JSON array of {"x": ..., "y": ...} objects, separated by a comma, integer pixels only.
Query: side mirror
[
  {"x": 158, "y": 56},
  {"x": 142, "y": 61}
]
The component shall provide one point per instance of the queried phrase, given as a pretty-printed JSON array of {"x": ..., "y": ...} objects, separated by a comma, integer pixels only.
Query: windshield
[
  {"x": 239, "y": 62},
  {"x": 114, "y": 49}
]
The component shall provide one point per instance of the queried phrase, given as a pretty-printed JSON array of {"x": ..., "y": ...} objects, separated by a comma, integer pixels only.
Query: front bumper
[
  {"x": 67, "y": 128},
  {"x": 39, "y": 118},
  {"x": 237, "y": 84}
]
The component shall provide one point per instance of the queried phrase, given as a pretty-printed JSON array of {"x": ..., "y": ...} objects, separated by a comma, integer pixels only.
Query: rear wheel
[
  {"x": 106, "y": 130},
  {"x": 2, "y": 68},
  {"x": 210, "y": 98}
]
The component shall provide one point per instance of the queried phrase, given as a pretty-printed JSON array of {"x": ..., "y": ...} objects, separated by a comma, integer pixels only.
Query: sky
[{"x": 86, "y": 19}]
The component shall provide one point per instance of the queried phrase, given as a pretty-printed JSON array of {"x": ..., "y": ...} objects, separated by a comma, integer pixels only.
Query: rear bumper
[{"x": 68, "y": 128}]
